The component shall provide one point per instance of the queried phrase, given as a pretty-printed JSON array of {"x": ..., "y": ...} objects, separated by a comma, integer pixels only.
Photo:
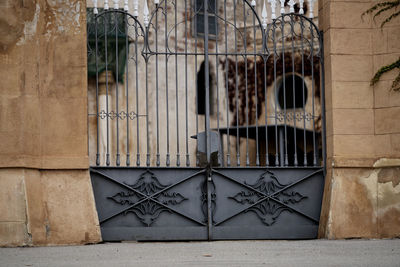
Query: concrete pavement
[{"x": 227, "y": 253}]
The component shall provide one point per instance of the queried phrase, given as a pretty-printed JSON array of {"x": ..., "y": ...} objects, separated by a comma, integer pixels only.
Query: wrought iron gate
[{"x": 223, "y": 110}]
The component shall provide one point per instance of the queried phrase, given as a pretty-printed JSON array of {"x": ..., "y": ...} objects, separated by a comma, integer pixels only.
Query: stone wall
[
  {"x": 45, "y": 190},
  {"x": 362, "y": 192}
]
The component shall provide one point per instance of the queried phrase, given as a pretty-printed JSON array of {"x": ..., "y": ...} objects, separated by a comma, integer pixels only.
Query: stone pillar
[
  {"x": 45, "y": 189},
  {"x": 362, "y": 191}
]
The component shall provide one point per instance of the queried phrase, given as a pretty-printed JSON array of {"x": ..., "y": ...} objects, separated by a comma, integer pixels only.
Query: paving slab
[{"x": 224, "y": 253}]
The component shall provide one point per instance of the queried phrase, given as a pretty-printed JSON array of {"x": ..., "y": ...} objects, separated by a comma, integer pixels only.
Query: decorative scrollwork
[
  {"x": 268, "y": 212},
  {"x": 267, "y": 183},
  {"x": 121, "y": 115},
  {"x": 204, "y": 200},
  {"x": 291, "y": 116},
  {"x": 171, "y": 198},
  {"x": 270, "y": 209},
  {"x": 146, "y": 201},
  {"x": 245, "y": 196},
  {"x": 147, "y": 212},
  {"x": 147, "y": 183},
  {"x": 124, "y": 198}
]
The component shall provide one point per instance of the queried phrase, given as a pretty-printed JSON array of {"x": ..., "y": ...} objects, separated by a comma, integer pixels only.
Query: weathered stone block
[
  {"x": 352, "y": 95},
  {"x": 13, "y": 234},
  {"x": 353, "y": 145},
  {"x": 347, "y": 14},
  {"x": 350, "y": 41},
  {"x": 395, "y": 143},
  {"x": 10, "y": 84},
  {"x": 393, "y": 39},
  {"x": 12, "y": 195},
  {"x": 382, "y": 146},
  {"x": 353, "y": 121},
  {"x": 387, "y": 120},
  {"x": 389, "y": 202},
  {"x": 354, "y": 205},
  {"x": 63, "y": 126},
  {"x": 354, "y": 68},
  {"x": 64, "y": 212},
  {"x": 379, "y": 41},
  {"x": 383, "y": 60},
  {"x": 384, "y": 97}
]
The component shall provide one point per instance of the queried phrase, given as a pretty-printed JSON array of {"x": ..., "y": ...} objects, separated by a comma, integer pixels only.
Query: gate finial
[
  {"x": 106, "y": 7},
  {"x": 291, "y": 5},
  {"x": 146, "y": 14},
  {"x": 126, "y": 7},
  {"x": 282, "y": 7},
  {"x": 273, "y": 8},
  {"x": 95, "y": 10},
  {"x": 311, "y": 8},
  {"x": 264, "y": 16},
  {"x": 301, "y": 12},
  {"x": 135, "y": 8}
]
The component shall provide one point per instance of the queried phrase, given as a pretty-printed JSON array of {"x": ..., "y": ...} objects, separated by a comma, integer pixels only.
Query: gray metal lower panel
[
  {"x": 145, "y": 204},
  {"x": 154, "y": 233}
]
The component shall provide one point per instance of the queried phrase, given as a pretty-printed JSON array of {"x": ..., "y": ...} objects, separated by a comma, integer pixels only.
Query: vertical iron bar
[
  {"x": 313, "y": 95},
  {"x": 236, "y": 89},
  {"x": 117, "y": 162},
  {"x": 147, "y": 97},
  {"x": 217, "y": 67},
  {"x": 186, "y": 88},
  {"x": 266, "y": 105},
  {"x": 284, "y": 90},
  {"x": 256, "y": 89},
  {"x": 197, "y": 86},
  {"x": 276, "y": 97},
  {"x": 97, "y": 95},
  {"x": 304, "y": 96},
  {"x": 128, "y": 157},
  {"x": 178, "y": 160},
  {"x": 137, "y": 97},
  {"x": 281, "y": 146},
  {"x": 207, "y": 121},
  {"x": 246, "y": 84},
  {"x": 294, "y": 93},
  {"x": 157, "y": 97},
  {"x": 321, "y": 43},
  {"x": 107, "y": 111},
  {"x": 166, "y": 79},
  {"x": 228, "y": 156},
  {"x": 207, "y": 79}
]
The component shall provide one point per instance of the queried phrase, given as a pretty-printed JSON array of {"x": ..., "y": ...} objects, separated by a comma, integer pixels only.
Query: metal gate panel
[
  {"x": 206, "y": 120},
  {"x": 275, "y": 203},
  {"x": 150, "y": 204}
]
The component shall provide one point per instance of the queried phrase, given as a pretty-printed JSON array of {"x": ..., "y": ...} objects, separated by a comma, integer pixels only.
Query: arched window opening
[
  {"x": 201, "y": 90},
  {"x": 285, "y": 92}
]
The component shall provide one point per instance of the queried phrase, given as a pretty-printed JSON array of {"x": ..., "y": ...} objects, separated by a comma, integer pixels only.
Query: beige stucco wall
[
  {"x": 45, "y": 191},
  {"x": 362, "y": 193}
]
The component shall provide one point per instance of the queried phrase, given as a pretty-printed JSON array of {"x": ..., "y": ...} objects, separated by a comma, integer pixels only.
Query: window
[
  {"x": 198, "y": 25},
  {"x": 106, "y": 22},
  {"x": 287, "y": 92},
  {"x": 201, "y": 90}
]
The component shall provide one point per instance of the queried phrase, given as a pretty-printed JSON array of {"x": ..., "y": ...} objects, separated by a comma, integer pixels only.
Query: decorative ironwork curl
[{"x": 270, "y": 209}]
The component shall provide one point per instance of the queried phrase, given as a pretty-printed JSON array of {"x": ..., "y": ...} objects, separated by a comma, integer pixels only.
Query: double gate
[{"x": 206, "y": 120}]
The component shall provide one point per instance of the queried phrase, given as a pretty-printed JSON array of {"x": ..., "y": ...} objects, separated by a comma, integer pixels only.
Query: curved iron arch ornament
[{"x": 275, "y": 193}]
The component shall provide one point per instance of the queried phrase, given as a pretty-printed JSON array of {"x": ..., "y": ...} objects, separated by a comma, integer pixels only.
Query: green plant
[{"x": 378, "y": 9}]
